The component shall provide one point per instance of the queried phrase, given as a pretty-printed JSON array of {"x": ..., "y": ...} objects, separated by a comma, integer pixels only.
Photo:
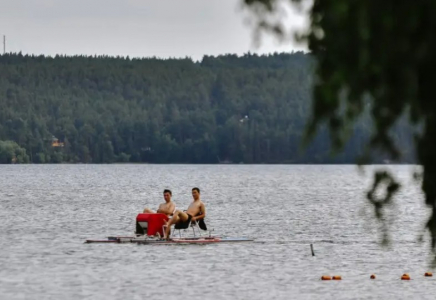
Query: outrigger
[{"x": 150, "y": 229}]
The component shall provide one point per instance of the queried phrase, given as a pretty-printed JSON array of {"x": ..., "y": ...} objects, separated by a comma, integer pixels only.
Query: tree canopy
[
  {"x": 381, "y": 50},
  {"x": 249, "y": 109},
  {"x": 11, "y": 152}
]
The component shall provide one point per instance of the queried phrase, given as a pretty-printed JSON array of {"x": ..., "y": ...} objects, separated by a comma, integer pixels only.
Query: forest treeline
[{"x": 225, "y": 109}]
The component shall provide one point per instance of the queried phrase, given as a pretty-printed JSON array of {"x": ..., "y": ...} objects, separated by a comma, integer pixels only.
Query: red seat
[{"x": 150, "y": 223}]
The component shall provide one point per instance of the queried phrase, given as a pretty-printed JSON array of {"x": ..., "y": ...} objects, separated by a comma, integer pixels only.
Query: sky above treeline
[{"x": 135, "y": 28}]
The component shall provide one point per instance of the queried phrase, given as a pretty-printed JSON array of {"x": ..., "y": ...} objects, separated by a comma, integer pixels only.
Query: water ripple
[{"x": 47, "y": 211}]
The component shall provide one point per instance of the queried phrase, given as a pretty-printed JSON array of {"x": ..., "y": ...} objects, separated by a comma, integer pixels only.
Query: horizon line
[{"x": 130, "y": 57}]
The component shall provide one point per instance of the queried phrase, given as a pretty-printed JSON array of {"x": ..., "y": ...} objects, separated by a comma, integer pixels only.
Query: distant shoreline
[{"x": 227, "y": 164}]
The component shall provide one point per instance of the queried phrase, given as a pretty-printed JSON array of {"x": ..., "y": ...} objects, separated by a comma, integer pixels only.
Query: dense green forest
[{"x": 238, "y": 109}]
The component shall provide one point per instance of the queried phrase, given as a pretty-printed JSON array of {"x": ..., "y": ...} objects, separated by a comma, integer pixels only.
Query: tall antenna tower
[{"x": 4, "y": 44}]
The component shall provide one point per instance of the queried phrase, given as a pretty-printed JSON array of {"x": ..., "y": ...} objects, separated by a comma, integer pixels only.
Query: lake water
[{"x": 47, "y": 212}]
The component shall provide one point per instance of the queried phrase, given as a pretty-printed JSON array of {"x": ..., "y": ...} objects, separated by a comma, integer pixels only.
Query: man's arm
[
  {"x": 160, "y": 210},
  {"x": 202, "y": 214},
  {"x": 171, "y": 208}
]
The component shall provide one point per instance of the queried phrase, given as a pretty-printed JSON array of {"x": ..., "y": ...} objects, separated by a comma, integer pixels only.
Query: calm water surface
[{"x": 47, "y": 211}]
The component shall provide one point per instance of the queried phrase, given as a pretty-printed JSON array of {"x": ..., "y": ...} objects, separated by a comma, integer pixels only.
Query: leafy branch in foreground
[{"x": 381, "y": 50}]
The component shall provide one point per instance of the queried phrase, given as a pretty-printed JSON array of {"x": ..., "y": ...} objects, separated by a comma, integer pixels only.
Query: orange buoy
[
  {"x": 326, "y": 277},
  {"x": 337, "y": 277},
  {"x": 428, "y": 274},
  {"x": 405, "y": 277},
  {"x": 372, "y": 276}
]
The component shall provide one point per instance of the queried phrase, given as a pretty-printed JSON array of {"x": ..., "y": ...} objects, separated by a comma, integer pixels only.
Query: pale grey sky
[{"x": 138, "y": 28}]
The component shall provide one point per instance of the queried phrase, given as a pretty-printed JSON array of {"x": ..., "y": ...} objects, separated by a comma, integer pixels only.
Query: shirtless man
[
  {"x": 164, "y": 208},
  {"x": 196, "y": 211}
]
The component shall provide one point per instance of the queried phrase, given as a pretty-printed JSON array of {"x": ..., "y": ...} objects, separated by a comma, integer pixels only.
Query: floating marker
[
  {"x": 428, "y": 274},
  {"x": 372, "y": 276},
  {"x": 326, "y": 277},
  {"x": 405, "y": 277},
  {"x": 337, "y": 277},
  {"x": 311, "y": 248}
]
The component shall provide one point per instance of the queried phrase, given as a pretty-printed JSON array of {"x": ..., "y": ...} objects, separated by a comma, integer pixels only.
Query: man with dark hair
[
  {"x": 164, "y": 208},
  {"x": 196, "y": 211}
]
